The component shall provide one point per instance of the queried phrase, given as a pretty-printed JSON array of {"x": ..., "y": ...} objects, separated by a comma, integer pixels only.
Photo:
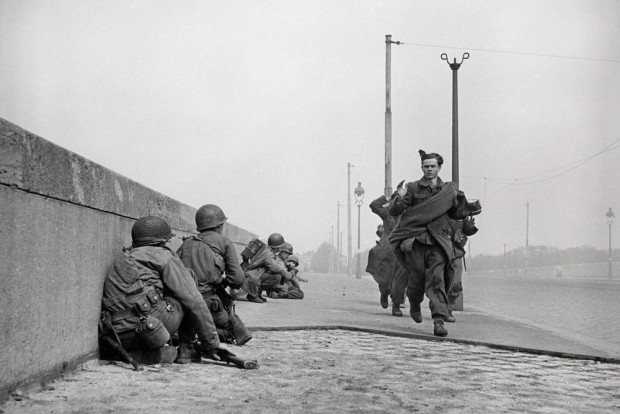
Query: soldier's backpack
[{"x": 253, "y": 247}]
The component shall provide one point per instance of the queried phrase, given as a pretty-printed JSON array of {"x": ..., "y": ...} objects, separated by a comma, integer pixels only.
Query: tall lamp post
[
  {"x": 359, "y": 198},
  {"x": 455, "y": 114},
  {"x": 610, "y": 220}
]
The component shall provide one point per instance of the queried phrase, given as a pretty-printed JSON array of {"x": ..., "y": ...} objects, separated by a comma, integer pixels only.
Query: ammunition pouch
[{"x": 152, "y": 332}]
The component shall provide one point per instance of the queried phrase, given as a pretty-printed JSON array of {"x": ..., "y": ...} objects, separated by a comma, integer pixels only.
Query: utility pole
[
  {"x": 527, "y": 233},
  {"x": 610, "y": 220},
  {"x": 388, "y": 115},
  {"x": 455, "y": 114},
  {"x": 331, "y": 251},
  {"x": 504, "y": 259},
  {"x": 349, "y": 165},
  {"x": 338, "y": 238}
]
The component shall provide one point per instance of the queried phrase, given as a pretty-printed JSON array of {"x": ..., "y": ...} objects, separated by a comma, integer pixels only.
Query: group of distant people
[
  {"x": 162, "y": 306},
  {"x": 421, "y": 247}
]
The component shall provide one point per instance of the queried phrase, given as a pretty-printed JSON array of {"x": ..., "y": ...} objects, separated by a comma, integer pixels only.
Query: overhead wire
[{"x": 512, "y": 52}]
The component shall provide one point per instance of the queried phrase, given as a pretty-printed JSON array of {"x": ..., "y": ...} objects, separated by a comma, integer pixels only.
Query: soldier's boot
[
  {"x": 396, "y": 310},
  {"x": 274, "y": 295},
  {"x": 163, "y": 355},
  {"x": 254, "y": 299},
  {"x": 415, "y": 312},
  {"x": 450, "y": 318},
  {"x": 439, "y": 329},
  {"x": 384, "y": 300},
  {"x": 187, "y": 353}
]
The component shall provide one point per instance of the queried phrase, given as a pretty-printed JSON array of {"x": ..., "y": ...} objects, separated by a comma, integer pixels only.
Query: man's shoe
[
  {"x": 273, "y": 295},
  {"x": 416, "y": 313},
  {"x": 396, "y": 311},
  {"x": 254, "y": 299},
  {"x": 186, "y": 354},
  {"x": 439, "y": 329},
  {"x": 163, "y": 355},
  {"x": 450, "y": 318},
  {"x": 384, "y": 300}
]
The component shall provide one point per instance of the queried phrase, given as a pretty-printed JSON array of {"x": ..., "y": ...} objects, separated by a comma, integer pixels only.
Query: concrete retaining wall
[{"x": 62, "y": 219}]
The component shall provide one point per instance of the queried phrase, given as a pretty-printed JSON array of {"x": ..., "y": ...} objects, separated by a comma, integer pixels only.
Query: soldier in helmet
[
  {"x": 263, "y": 271},
  {"x": 149, "y": 295},
  {"x": 291, "y": 288},
  {"x": 281, "y": 258},
  {"x": 213, "y": 258}
]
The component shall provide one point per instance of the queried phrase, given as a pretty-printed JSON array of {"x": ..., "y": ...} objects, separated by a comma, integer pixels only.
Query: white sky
[{"x": 257, "y": 106}]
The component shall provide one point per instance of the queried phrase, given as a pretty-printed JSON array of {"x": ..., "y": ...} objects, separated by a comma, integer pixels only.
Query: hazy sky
[{"x": 257, "y": 106}]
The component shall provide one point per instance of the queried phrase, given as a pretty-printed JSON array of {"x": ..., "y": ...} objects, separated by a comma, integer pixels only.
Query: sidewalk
[{"x": 342, "y": 301}]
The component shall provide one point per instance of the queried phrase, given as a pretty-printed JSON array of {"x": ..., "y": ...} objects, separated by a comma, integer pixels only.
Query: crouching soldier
[
  {"x": 149, "y": 295},
  {"x": 262, "y": 270},
  {"x": 213, "y": 258},
  {"x": 292, "y": 289}
]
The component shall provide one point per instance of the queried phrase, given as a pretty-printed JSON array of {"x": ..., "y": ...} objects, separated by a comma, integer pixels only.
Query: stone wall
[{"x": 63, "y": 218}]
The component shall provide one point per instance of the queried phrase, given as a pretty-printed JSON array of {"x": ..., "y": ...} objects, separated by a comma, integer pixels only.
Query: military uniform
[
  {"x": 459, "y": 234},
  {"x": 263, "y": 272},
  {"x": 149, "y": 294},
  {"x": 213, "y": 257},
  {"x": 391, "y": 277},
  {"x": 428, "y": 252}
]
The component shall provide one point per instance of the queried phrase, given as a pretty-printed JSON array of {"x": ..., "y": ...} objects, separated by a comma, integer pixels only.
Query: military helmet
[
  {"x": 287, "y": 248},
  {"x": 209, "y": 216},
  {"x": 150, "y": 230},
  {"x": 293, "y": 258},
  {"x": 275, "y": 240}
]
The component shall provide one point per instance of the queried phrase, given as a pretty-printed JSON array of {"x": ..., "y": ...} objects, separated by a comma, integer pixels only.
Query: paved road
[{"x": 587, "y": 310}]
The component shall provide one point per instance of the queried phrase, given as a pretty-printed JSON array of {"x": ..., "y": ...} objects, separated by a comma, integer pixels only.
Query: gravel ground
[{"x": 340, "y": 371}]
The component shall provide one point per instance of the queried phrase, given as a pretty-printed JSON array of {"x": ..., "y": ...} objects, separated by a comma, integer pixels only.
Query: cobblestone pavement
[
  {"x": 583, "y": 309},
  {"x": 342, "y": 371}
]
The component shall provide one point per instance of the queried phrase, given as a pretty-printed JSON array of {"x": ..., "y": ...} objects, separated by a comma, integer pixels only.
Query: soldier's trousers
[
  {"x": 456, "y": 288},
  {"x": 174, "y": 320},
  {"x": 268, "y": 281},
  {"x": 428, "y": 264},
  {"x": 398, "y": 288}
]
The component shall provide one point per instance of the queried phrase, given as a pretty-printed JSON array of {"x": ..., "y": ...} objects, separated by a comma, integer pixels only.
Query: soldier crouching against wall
[
  {"x": 213, "y": 258},
  {"x": 262, "y": 270},
  {"x": 149, "y": 295},
  {"x": 289, "y": 286}
]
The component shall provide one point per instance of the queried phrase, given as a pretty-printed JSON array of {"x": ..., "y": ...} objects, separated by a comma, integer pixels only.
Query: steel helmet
[
  {"x": 209, "y": 216},
  {"x": 150, "y": 230},
  {"x": 293, "y": 258},
  {"x": 275, "y": 240},
  {"x": 287, "y": 248}
]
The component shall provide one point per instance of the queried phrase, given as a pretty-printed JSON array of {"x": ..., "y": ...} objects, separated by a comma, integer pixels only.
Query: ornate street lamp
[
  {"x": 610, "y": 220},
  {"x": 359, "y": 198}
]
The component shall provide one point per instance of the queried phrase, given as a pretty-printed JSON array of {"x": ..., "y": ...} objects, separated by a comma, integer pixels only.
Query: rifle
[
  {"x": 105, "y": 329},
  {"x": 224, "y": 355},
  {"x": 240, "y": 332}
]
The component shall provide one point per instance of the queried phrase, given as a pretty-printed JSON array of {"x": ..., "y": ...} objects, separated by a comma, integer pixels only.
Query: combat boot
[
  {"x": 396, "y": 310},
  {"x": 254, "y": 299},
  {"x": 439, "y": 329},
  {"x": 415, "y": 312},
  {"x": 450, "y": 318},
  {"x": 186, "y": 354},
  {"x": 384, "y": 300}
]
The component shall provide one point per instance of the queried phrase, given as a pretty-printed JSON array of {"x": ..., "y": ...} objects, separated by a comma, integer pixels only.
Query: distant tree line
[{"x": 538, "y": 256}]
